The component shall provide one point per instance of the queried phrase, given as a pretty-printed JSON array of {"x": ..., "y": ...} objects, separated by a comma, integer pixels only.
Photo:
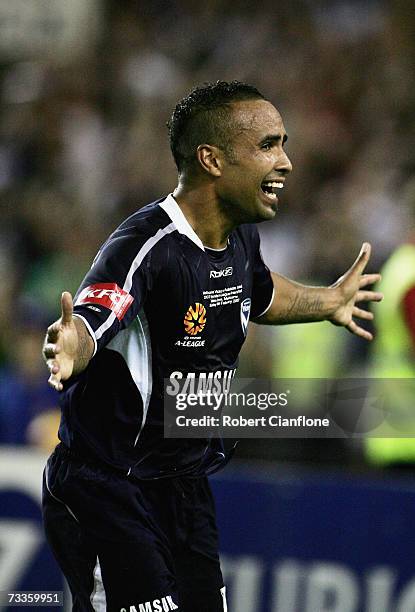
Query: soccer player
[{"x": 128, "y": 513}]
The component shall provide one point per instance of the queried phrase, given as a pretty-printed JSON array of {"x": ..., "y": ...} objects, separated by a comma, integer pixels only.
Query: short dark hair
[{"x": 203, "y": 116}]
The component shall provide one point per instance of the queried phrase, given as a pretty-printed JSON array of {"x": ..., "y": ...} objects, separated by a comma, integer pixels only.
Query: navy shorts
[{"x": 132, "y": 546}]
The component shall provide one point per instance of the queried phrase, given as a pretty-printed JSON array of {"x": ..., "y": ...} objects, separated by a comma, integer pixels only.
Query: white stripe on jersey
[
  {"x": 223, "y": 593},
  {"x": 147, "y": 246},
  {"x": 170, "y": 206},
  {"x": 146, "y": 393},
  {"x": 54, "y": 496},
  {"x": 90, "y": 330},
  {"x": 268, "y": 307},
  {"x": 134, "y": 345},
  {"x": 98, "y": 598}
]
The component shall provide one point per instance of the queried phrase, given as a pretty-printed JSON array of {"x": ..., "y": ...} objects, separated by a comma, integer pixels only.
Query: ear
[{"x": 210, "y": 159}]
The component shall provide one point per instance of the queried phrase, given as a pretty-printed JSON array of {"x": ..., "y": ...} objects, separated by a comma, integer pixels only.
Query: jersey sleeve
[
  {"x": 115, "y": 287},
  {"x": 262, "y": 286}
]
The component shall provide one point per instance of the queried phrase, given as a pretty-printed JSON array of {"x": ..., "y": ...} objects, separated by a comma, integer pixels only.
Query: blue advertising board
[
  {"x": 26, "y": 563},
  {"x": 291, "y": 541},
  {"x": 302, "y": 542}
]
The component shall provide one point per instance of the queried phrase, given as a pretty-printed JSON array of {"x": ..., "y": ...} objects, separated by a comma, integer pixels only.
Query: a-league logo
[{"x": 195, "y": 319}]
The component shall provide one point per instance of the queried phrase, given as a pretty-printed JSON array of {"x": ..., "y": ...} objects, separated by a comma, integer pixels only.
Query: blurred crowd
[{"x": 83, "y": 144}]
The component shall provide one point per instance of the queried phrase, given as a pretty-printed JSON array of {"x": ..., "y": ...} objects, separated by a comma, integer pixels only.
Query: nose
[{"x": 283, "y": 163}]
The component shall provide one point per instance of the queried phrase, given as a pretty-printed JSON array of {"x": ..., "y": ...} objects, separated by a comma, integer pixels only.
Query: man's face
[{"x": 255, "y": 173}]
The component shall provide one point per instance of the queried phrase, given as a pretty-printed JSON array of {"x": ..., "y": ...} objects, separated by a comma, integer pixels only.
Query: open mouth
[{"x": 270, "y": 188}]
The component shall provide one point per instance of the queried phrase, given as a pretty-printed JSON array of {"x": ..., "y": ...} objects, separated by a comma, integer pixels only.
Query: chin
[
  {"x": 266, "y": 208},
  {"x": 258, "y": 211},
  {"x": 266, "y": 213}
]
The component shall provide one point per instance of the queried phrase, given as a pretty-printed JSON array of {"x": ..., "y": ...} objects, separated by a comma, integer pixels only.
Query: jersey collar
[{"x": 170, "y": 206}]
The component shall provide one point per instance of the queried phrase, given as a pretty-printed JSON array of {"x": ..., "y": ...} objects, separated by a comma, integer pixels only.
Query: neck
[{"x": 202, "y": 210}]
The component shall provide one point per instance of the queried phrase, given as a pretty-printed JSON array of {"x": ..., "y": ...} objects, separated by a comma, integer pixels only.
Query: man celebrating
[{"x": 128, "y": 513}]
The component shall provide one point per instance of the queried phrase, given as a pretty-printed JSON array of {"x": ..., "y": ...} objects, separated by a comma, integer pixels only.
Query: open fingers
[
  {"x": 67, "y": 307},
  {"x": 67, "y": 312},
  {"x": 359, "y": 331},
  {"x": 50, "y": 350},
  {"x": 54, "y": 379},
  {"x": 362, "y": 314},
  {"x": 54, "y": 383},
  {"x": 53, "y": 331},
  {"x": 369, "y": 296},
  {"x": 362, "y": 259},
  {"x": 369, "y": 279}
]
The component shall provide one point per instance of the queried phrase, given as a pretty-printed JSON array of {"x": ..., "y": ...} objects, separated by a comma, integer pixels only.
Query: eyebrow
[{"x": 274, "y": 138}]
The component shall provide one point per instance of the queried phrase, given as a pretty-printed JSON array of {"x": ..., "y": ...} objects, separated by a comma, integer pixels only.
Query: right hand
[{"x": 61, "y": 345}]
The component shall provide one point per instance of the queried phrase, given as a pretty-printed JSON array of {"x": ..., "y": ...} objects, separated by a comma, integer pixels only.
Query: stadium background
[{"x": 86, "y": 89}]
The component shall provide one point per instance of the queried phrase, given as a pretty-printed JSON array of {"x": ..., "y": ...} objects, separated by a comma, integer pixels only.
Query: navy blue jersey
[{"x": 158, "y": 304}]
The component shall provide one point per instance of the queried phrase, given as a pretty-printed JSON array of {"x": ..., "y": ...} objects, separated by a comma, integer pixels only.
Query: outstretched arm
[
  {"x": 295, "y": 303},
  {"x": 68, "y": 347}
]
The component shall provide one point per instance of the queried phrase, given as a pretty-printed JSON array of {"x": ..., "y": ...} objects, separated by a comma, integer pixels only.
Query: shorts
[{"x": 132, "y": 546}]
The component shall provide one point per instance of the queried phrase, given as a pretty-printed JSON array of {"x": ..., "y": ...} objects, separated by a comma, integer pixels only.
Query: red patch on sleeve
[{"x": 109, "y": 295}]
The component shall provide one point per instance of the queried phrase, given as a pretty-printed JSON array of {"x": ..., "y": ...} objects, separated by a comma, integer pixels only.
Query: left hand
[{"x": 350, "y": 288}]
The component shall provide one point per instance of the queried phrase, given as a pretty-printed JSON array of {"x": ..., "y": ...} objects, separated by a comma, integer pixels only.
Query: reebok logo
[
  {"x": 220, "y": 273},
  {"x": 109, "y": 295},
  {"x": 165, "y": 604}
]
